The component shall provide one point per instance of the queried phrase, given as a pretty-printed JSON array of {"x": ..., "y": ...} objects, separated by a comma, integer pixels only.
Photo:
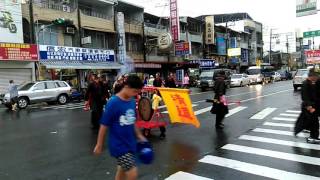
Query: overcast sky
[{"x": 279, "y": 14}]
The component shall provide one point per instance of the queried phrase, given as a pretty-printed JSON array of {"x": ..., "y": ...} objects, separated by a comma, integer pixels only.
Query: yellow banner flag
[{"x": 179, "y": 106}]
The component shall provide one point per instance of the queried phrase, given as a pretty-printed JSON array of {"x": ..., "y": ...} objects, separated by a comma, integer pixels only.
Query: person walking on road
[
  {"x": 170, "y": 82},
  {"x": 221, "y": 106},
  {"x": 94, "y": 99},
  {"x": 186, "y": 80},
  {"x": 309, "y": 118},
  {"x": 119, "y": 119},
  {"x": 13, "y": 91},
  {"x": 158, "y": 81}
]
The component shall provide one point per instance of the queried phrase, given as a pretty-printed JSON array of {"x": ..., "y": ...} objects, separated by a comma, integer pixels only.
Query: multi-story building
[
  {"x": 236, "y": 30},
  {"x": 90, "y": 25}
]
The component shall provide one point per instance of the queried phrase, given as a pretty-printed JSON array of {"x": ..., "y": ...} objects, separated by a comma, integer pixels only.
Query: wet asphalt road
[{"x": 57, "y": 142}]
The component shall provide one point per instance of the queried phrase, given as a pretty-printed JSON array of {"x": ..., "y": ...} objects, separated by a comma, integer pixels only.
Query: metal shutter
[{"x": 19, "y": 76}]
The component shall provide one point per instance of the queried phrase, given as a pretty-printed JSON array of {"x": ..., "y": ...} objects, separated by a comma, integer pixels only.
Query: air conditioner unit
[
  {"x": 70, "y": 30},
  {"x": 86, "y": 40},
  {"x": 66, "y": 8},
  {"x": 65, "y": 1}
]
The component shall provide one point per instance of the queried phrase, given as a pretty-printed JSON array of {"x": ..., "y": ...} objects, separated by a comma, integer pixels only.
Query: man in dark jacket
[
  {"x": 220, "y": 90},
  {"x": 311, "y": 106},
  {"x": 94, "y": 98},
  {"x": 170, "y": 82},
  {"x": 157, "y": 81}
]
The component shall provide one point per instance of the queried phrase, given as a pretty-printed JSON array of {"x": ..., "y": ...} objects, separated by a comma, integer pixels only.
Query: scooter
[{"x": 6, "y": 21}]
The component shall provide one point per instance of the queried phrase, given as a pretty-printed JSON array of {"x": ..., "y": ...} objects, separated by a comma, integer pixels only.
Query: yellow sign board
[
  {"x": 179, "y": 106},
  {"x": 234, "y": 52}
]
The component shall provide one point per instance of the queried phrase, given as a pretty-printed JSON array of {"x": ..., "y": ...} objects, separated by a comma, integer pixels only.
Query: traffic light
[{"x": 62, "y": 22}]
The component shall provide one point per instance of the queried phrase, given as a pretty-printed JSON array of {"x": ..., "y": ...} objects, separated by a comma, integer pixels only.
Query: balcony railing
[
  {"x": 96, "y": 14},
  {"x": 57, "y": 7}
]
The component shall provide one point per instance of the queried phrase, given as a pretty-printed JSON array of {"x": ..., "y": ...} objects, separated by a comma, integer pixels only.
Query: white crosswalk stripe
[
  {"x": 186, "y": 176},
  {"x": 279, "y": 124},
  {"x": 284, "y": 119},
  {"x": 278, "y": 132},
  {"x": 257, "y": 143},
  {"x": 289, "y": 115},
  {"x": 235, "y": 110},
  {"x": 255, "y": 169},
  {"x": 263, "y": 114}
]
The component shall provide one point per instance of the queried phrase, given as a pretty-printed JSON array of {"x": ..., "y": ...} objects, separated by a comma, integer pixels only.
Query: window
[
  {"x": 26, "y": 87},
  {"x": 68, "y": 40},
  {"x": 62, "y": 84},
  {"x": 47, "y": 36},
  {"x": 39, "y": 86},
  {"x": 51, "y": 85}
]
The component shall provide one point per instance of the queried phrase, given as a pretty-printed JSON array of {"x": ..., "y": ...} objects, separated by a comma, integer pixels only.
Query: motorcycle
[{"x": 6, "y": 21}]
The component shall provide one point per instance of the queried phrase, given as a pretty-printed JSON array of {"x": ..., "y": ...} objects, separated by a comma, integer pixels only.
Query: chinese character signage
[
  {"x": 122, "y": 54},
  {"x": 209, "y": 30},
  {"x": 11, "y": 21},
  {"x": 182, "y": 48},
  {"x": 221, "y": 43},
  {"x": 244, "y": 55},
  {"x": 174, "y": 20},
  {"x": 18, "y": 52},
  {"x": 313, "y": 56},
  {"x": 306, "y": 7},
  {"x": 234, "y": 52},
  {"x": 64, "y": 53},
  {"x": 179, "y": 106},
  {"x": 311, "y": 34}
]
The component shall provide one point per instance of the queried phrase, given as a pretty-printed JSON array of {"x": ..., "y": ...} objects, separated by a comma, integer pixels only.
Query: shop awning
[{"x": 54, "y": 64}]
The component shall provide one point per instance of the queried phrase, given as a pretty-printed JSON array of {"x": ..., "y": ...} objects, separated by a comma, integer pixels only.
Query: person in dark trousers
[
  {"x": 220, "y": 90},
  {"x": 170, "y": 82},
  {"x": 105, "y": 89},
  {"x": 311, "y": 106},
  {"x": 157, "y": 81},
  {"x": 119, "y": 120},
  {"x": 94, "y": 98}
]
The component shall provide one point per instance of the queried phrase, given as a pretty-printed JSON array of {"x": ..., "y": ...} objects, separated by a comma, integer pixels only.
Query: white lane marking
[
  {"x": 271, "y": 94},
  {"x": 284, "y": 119},
  {"x": 278, "y": 124},
  {"x": 235, "y": 110},
  {"x": 280, "y": 142},
  {"x": 292, "y": 111},
  {"x": 72, "y": 108},
  {"x": 273, "y": 154},
  {"x": 289, "y": 115},
  {"x": 255, "y": 169},
  {"x": 263, "y": 114},
  {"x": 59, "y": 106},
  {"x": 66, "y": 107},
  {"x": 207, "y": 109},
  {"x": 186, "y": 176},
  {"x": 278, "y": 132}
]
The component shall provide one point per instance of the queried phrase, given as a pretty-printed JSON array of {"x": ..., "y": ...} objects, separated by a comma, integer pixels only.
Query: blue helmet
[{"x": 145, "y": 152}]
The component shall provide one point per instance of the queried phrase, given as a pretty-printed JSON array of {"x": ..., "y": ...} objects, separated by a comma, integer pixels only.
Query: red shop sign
[{"x": 18, "y": 52}]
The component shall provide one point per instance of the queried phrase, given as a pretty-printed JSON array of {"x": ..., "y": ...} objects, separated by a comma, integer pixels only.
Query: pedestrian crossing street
[{"x": 268, "y": 151}]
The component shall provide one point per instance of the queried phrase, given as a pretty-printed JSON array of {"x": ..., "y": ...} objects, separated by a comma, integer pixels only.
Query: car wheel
[
  {"x": 295, "y": 88},
  {"x": 62, "y": 99},
  {"x": 241, "y": 84},
  {"x": 203, "y": 89},
  {"x": 22, "y": 103}
]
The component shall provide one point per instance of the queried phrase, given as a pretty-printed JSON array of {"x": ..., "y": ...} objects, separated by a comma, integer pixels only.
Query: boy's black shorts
[{"x": 127, "y": 161}]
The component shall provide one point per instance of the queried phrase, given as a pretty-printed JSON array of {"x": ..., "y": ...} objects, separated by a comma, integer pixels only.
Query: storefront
[
  {"x": 74, "y": 64},
  {"x": 17, "y": 63}
]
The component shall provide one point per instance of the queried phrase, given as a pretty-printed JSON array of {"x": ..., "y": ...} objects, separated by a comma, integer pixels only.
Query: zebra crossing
[
  {"x": 69, "y": 106},
  {"x": 269, "y": 151}
]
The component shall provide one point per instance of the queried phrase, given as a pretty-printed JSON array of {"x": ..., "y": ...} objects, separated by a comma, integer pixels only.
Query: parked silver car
[{"x": 42, "y": 91}]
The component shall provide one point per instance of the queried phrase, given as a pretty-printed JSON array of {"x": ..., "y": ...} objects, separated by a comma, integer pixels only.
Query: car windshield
[
  {"x": 26, "y": 87},
  {"x": 236, "y": 76},
  {"x": 206, "y": 74},
  {"x": 254, "y": 71},
  {"x": 302, "y": 73}
]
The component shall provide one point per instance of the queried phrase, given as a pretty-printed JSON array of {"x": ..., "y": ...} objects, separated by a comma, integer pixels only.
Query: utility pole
[
  {"x": 270, "y": 48},
  {"x": 289, "y": 57}
]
